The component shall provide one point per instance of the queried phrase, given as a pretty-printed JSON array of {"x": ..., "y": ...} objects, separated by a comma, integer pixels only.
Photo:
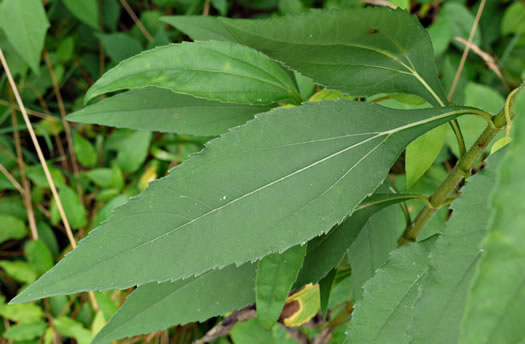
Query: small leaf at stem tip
[{"x": 500, "y": 144}]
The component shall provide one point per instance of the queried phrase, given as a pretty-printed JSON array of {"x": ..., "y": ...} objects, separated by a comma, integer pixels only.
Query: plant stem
[{"x": 461, "y": 170}]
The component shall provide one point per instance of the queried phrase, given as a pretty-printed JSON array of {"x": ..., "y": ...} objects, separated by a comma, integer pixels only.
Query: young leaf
[
  {"x": 338, "y": 48},
  {"x": 220, "y": 71},
  {"x": 296, "y": 166},
  {"x": 25, "y": 25},
  {"x": 494, "y": 312},
  {"x": 383, "y": 313},
  {"x": 157, "y": 109},
  {"x": 158, "y": 306},
  {"x": 11, "y": 228},
  {"x": 276, "y": 274},
  {"x": 422, "y": 152},
  {"x": 453, "y": 259}
]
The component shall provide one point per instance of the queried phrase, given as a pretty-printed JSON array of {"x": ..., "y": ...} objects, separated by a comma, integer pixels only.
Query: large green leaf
[
  {"x": 297, "y": 167},
  {"x": 25, "y": 25},
  {"x": 276, "y": 274},
  {"x": 360, "y": 51},
  {"x": 385, "y": 310},
  {"x": 157, "y": 109},
  {"x": 443, "y": 294},
  {"x": 494, "y": 312},
  {"x": 221, "y": 71},
  {"x": 158, "y": 306}
]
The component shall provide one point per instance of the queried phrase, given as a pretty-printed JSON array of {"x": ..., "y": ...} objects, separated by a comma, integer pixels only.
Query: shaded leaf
[
  {"x": 276, "y": 274},
  {"x": 158, "y": 306},
  {"x": 326, "y": 252},
  {"x": 162, "y": 110},
  {"x": 325, "y": 287},
  {"x": 215, "y": 70},
  {"x": 85, "y": 10},
  {"x": 385, "y": 310},
  {"x": 119, "y": 46},
  {"x": 24, "y": 313},
  {"x": 205, "y": 201},
  {"x": 72, "y": 329},
  {"x": 371, "y": 248}
]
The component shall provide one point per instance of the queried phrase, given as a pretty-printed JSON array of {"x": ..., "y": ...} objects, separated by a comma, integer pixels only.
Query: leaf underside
[{"x": 278, "y": 181}]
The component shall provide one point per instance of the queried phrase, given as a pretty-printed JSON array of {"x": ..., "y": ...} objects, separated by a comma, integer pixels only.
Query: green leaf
[
  {"x": 422, "y": 152},
  {"x": 85, "y": 10},
  {"x": 19, "y": 271},
  {"x": 11, "y": 228},
  {"x": 36, "y": 175},
  {"x": 494, "y": 311},
  {"x": 513, "y": 19},
  {"x": 325, "y": 287},
  {"x": 162, "y": 110},
  {"x": 338, "y": 48},
  {"x": 383, "y": 313},
  {"x": 301, "y": 179},
  {"x": 158, "y": 306},
  {"x": 73, "y": 329},
  {"x": 39, "y": 256},
  {"x": 132, "y": 147},
  {"x": 220, "y": 71},
  {"x": 108, "y": 208},
  {"x": 75, "y": 212},
  {"x": 84, "y": 151},
  {"x": 453, "y": 259},
  {"x": 276, "y": 274},
  {"x": 25, "y": 25},
  {"x": 119, "y": 46},
  {"x": 370, "y": 250},
  {"x": 25, "y": 313},
  {"x": 26, "y": 331},
  {"x": 461, "y": 20}
]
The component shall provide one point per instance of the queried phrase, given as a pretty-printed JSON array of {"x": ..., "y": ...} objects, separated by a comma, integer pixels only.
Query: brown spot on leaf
[
  {"x": 290, "y": 309},
  {"x": 371, "y": 32}
]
